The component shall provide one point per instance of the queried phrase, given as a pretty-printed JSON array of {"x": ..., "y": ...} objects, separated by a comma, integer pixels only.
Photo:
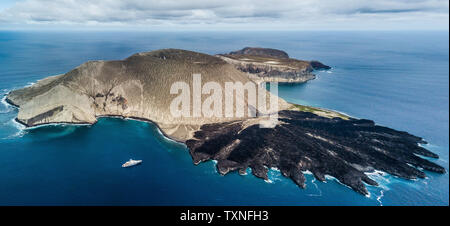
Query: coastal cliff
[
  {"x": 271, "y": 65},
  {"x": 311, "y": 139}
]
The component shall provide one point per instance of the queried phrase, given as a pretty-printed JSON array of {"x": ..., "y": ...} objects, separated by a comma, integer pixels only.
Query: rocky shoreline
[{"x": 344, "y": 149}]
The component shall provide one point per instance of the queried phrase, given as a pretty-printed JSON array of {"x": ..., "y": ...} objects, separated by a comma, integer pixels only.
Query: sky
[{"x": 225, "y": 14}]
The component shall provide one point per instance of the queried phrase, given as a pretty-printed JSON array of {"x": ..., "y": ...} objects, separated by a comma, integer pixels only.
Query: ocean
[{"x": 399, "y": 79}]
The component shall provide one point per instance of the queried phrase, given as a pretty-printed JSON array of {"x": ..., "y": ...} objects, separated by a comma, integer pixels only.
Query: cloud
[{"x": 230, "y": 13}]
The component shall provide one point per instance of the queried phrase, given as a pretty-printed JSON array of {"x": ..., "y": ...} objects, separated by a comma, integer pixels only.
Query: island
[{"x": 305, "y": 139}]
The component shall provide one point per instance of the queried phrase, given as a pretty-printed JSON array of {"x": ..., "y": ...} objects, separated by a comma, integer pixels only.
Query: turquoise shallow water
[{"x": 397, "y": 79}]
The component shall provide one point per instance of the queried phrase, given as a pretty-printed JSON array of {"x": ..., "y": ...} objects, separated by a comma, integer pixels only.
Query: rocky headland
[
  {"x": 271, "y": 65},
  {"x": 311, "y": 139}
]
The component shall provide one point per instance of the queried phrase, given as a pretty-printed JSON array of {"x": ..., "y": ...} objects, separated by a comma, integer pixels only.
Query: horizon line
[{"x": 214, "y": 30}]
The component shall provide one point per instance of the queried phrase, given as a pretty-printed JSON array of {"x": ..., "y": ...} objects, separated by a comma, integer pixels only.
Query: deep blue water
[{"x": 397, "y": 79}]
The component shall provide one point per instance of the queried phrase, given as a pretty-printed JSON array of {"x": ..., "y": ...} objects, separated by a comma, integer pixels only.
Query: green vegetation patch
[{"x": 319, "y": 111}]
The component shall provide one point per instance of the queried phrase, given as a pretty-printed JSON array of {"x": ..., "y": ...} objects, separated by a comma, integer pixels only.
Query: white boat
[{"x": 131, "y": 162}]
